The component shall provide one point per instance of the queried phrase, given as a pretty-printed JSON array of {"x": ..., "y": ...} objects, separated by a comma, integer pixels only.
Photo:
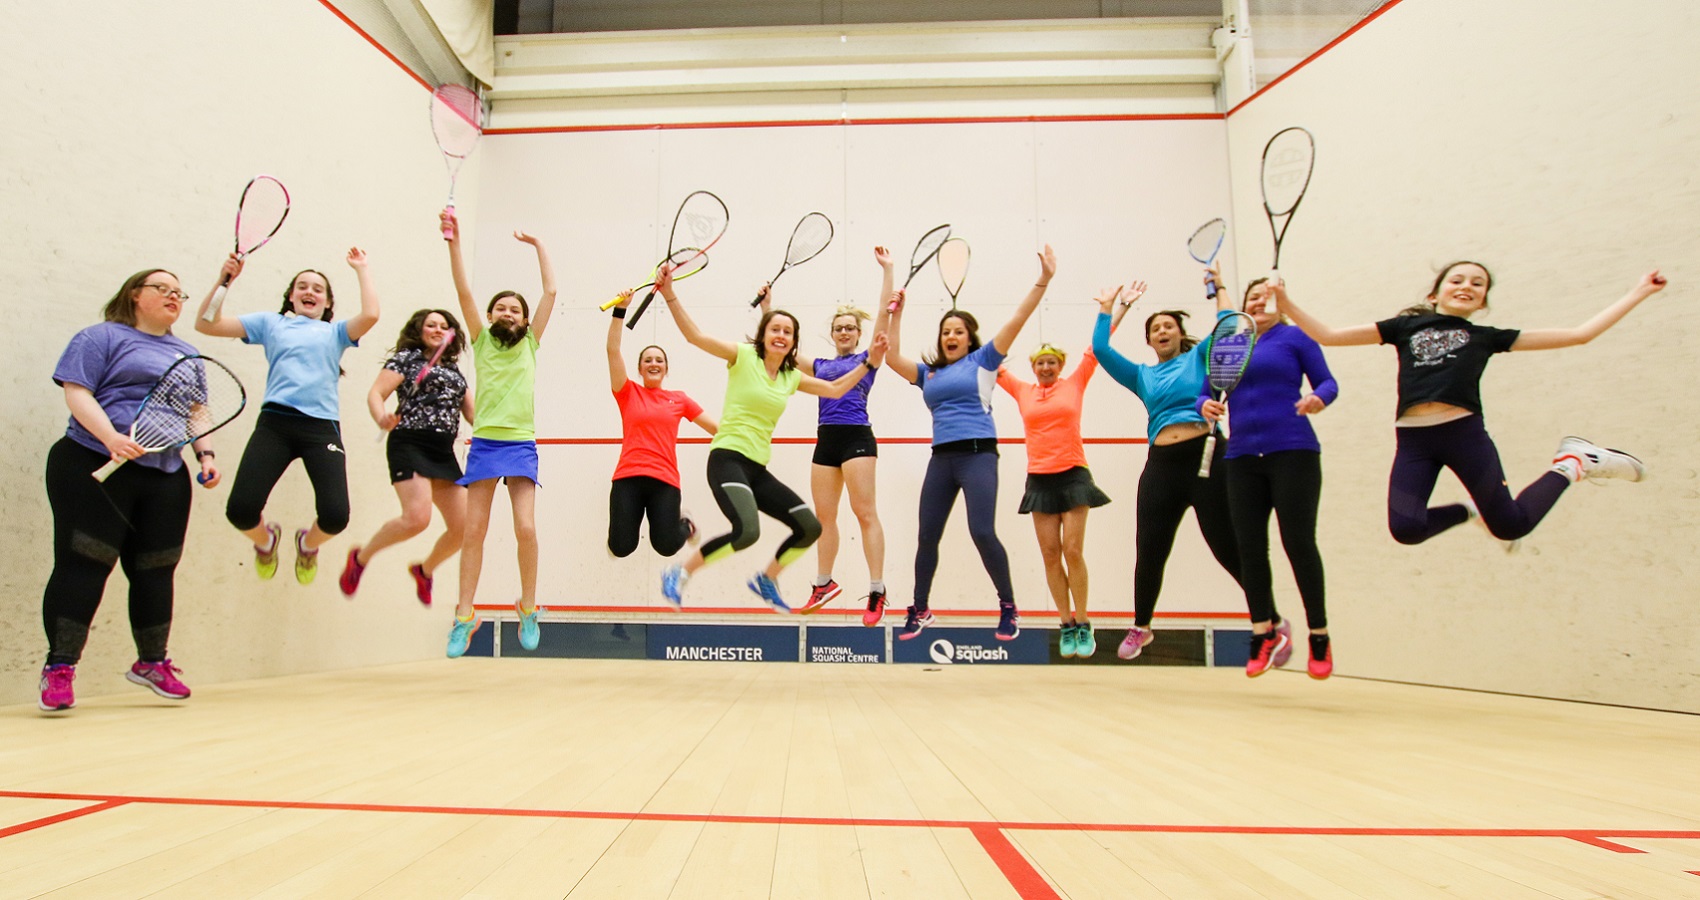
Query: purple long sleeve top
[{"x": 1261, "y": 417}]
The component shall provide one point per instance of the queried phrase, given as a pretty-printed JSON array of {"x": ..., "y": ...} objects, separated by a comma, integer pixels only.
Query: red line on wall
[
  {"x": 1314, "y": 56},
  {"x": 827, "y": 615},
  {"x": 614, "y": 441},
  {"x": 1026, "y": 880},
  {"x": 817, "y": 123},
  {"x": 33, "y": 824},
  {"x": 374, "y": 42}
]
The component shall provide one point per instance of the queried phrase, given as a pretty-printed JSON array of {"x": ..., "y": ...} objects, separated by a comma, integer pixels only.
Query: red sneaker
[
  {"x": 876, "y": 609},
  {"x": 351, "y": 572},
  {"x": 1321, "y": 664},
  {"x": 1263, "y": 650},
  {"x": 421, "y": 583},
  {"x": 821, "y": 596}
]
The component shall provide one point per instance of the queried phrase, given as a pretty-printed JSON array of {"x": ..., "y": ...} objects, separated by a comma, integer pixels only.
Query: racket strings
[
  {"x": 264, "y": 206},
  {"x": 954, "y": 256},
  {"x": 1231, "y": 343},
  {"x": 1287, "y": 163},
  {"x": 192, "y": 399},
  {"x": 1207, "y": 240},
  {"x": 457, "y": 119},
  {"x": 811, "y": 236}
]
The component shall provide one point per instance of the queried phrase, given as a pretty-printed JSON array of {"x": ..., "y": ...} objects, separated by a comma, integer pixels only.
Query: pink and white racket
[
  {"x": 457, "y": 122},
  {"x": 264, "y": 206}
]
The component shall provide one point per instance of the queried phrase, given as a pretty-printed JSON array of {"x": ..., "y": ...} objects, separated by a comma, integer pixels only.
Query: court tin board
[
  {"x": 844, "y": 644},
  {"x": 723, "y": 643},
  {"x": 973, "y": 646}
]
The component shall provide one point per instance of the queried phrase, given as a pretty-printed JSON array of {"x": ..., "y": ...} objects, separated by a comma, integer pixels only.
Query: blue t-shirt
[
  {"x": 1261, "y": 417},
  {"x": 960, "y": 395},
  {"x": 1168, "y": 389},
  {"x": 852, "y": 408},
  {"x": 119, "y": 365},
  {"x": 305, "y": 357}
]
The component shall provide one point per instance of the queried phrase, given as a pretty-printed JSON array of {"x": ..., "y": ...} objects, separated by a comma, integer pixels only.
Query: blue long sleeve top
[
  {"x": 1261, "y": 417},
  {"x": 1168, "y": 389}
]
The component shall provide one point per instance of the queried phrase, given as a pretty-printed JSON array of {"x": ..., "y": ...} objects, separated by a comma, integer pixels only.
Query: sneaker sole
[
  {"x": 1009, "y": 637},
  {"x": 911, "y": 635},
  {"x": 812, "y": 605},
  {"x": 45, "y": 708},
  {"x": 133, "y": 678}
]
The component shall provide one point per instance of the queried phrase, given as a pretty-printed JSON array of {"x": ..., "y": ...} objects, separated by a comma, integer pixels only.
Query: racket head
[
  {"x": 260, "y": 213},
  {"x": 1288, "y": 159},
  {"x": 196, "y": 396},
  {"x": 457, "y": 119},
  {"x": 700, "y": 221},
  {"x": 953, "y": 257},
  {"x": 812, "y": 235},
  {"x": 1230, "y": 345},
  {"x": 925, "y": 249},
  {"x": 1206, "y": 242}
]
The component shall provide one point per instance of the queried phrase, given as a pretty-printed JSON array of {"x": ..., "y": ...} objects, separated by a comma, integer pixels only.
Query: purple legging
[
  {"x": 975, "y": 476},
  {"x": 1464, "y": 447}
]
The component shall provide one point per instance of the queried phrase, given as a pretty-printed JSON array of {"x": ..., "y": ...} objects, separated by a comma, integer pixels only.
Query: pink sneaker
[
  {"x": 351, "y": 572},
  {"x": 421, "y": 583},
  {"x": 1136, "y": 641},
  {"x": 1283, "y": 647},
  {"x": 56, "y": 693},
  {"x": 821, "y": 595},
  {"x": 1264, "y": 648},
  {"x": 159, "y": 677},
  {"x": 1321, "y": 657}
]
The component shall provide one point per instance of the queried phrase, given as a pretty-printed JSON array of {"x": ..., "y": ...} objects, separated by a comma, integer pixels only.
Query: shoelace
[{"x": 165, "y": 667}]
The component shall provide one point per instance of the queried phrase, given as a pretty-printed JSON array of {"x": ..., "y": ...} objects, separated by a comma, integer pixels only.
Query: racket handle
[
  {"x": 211, "y": 315},
  {"x": 448, "y": 230},
  {"x": 610, "y": 304},
  {"x": 105, "y": 472},
  {"x": 1209, "y": 455},
  {"x": 757, "y": 301},
  {"x": 636, "y": 314},
  {"x": 1210, "y": 287}
]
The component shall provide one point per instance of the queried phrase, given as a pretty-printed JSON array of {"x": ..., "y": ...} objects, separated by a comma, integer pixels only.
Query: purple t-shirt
[
  {"x": 119, "y": 365},
  {"x": 1261, "y": 414},
  {"x": 852, "y": 408}
]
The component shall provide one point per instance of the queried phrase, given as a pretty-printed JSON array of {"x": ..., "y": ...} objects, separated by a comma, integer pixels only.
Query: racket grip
[
  {"x": 757, "y": 301},
  {"x": 1210, "y": 287},
  {"x": 609, "y": 305},
  {"x": 448, "y": 230},
  {"x": 636, "y": 314},
  {"x": 105, "y": 472},
  {"x": 1209, "y": 455},
  {"x": 217, "y": 302}
]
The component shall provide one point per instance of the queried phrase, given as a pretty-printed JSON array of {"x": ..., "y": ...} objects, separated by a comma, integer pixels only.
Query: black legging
[
  {"x": 1168, "y": 487},
  {"x": 629, "y": 501},
  {"x": 1289, "y": 483},
  {"x": 743, "y": 488},
  {"x": 279, "y": 439},
  {"x": 1464, "y": 447},
  {"x": 974, "y": 473},
  {"x": 136, "y": 519}
]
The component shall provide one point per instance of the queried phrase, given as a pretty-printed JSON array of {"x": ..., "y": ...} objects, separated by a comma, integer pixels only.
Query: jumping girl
[
  {"x": 956, "y": 383},
  {"x": 299, "y": 417},
  {"x": 504, "y": 434},
  {"x": 762, "y": 375},
  {"x": 421, "y": 452}
]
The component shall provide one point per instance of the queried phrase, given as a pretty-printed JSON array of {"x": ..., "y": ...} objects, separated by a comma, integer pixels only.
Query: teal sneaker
[
  {"x": 1067, "y": 643},
  {"x": 1085, "y": 640},
  {"x": 460, "y": 635},
  {"x": 529, "y": 633}
]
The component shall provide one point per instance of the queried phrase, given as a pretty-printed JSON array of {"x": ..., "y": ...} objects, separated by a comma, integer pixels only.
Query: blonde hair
[
  {"x": 1048, "y": 350},
  {"x": 850, "y": 310}
]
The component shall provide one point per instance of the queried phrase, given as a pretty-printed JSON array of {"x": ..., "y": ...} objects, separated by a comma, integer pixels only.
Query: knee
[
  {"x": 334, "y": 523},
  {"x": 808, "y": 528},
  {"x": 983, "y": 535},
  {"x": 526, "y": 533},
  {"x": 414, "y": 522},
  {"x": 1075, "y": 557},
  {"x": 1406, "y": 530},
  {"x": 621, "y": 549},
  {"x": 243, "y": 514},
  {"x": 745, "y": 534}
]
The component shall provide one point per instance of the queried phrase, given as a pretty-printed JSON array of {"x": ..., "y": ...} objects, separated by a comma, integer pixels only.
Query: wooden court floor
[{"x": 509, "y": 778}]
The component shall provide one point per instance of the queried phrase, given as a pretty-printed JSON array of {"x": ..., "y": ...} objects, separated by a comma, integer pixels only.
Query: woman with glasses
[
  {"x": 1060, "y": 489},
  {"x": 139, "y": 516},
  {"x": 299, "y": 417},
  {"x": 846, "y": 454}
]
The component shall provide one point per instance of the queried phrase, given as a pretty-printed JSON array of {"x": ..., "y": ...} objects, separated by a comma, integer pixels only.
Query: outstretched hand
[
  {"x": 527, "y": 238},
  {"x": 1107, "y": 298},
  {"x": 883, "y": 257},
  {"x": 1135, "y": 290},
  {"x": 356, "y": 258},
  {"x": 1047, "y": 265},
  {"x": 1651, "y": 283}
]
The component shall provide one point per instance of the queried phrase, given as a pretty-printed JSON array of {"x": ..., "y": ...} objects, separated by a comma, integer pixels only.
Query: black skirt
[
  {"x": 1058, "y": 492},
  {"x": 430, "y": 454}
]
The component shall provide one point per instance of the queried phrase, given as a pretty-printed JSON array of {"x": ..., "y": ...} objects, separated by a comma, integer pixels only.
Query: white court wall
[
  {"x": 1115, "y": 199},
  {"x": 131, "y": 141},
  {"x": 1554, "y": 142}
]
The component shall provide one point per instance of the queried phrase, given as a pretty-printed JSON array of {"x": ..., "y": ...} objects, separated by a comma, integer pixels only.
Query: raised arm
[
  {"x": 1225, "y": 301},
  {"x": 1006, "y": 335},
  {"x": 1124, "y": 298},
  {"x": 888, "y": 279},
  {"x": 1119, "y": 367},
  {"x": 368, "y": 315},
  {"x": 221, "y": 325},
  {"x": 546, "y": 303},
  {"x": 1355, "y": 335},
  {"x": 1554, "y": 338},
  {"x": 469, "y": 313},
  {"x": 902, "y": 365},
  {"x": 724, "y": 349},
  {"x": 616, "y": 362},
  {"x": 842, "y": 385}
]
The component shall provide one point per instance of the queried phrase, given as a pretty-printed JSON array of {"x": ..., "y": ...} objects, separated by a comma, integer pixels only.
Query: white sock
[
  {"x": 823, "y": 580},
  {"x": 1568, "y": 466},
  {"x": 876, "y": 587}
]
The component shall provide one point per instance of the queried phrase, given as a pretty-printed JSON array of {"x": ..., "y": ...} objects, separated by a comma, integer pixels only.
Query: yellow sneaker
[
  {"x": 265, "y": 563},
  {"x": 306, "y": 561}
]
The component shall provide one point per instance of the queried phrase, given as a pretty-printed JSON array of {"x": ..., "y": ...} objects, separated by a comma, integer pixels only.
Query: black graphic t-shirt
[
  {"x": 433, "y": 404},
  {"x": 1441, "y": 358}
]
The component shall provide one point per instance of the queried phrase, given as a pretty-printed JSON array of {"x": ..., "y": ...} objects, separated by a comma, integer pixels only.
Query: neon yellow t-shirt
[
  {"x": 505, "y": 408},
  {"x": 754, "y": 403}
]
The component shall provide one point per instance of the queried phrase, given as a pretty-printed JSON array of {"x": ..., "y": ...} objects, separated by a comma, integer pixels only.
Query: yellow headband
[{"x": 1048, "y": 350}]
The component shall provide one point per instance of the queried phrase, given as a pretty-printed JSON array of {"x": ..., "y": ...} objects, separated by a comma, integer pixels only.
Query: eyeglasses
[
  {"x": 836, "y": 329},
  {"x": 168, "y": 291}
]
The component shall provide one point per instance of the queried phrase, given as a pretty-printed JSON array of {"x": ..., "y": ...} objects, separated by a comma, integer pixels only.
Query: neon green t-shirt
[
  {"x": 505, "y": 408},
  {"x": 754, "y": 403}
]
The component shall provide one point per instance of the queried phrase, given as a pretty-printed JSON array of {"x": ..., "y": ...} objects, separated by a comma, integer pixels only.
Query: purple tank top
[{"x": 852, "y": 408}]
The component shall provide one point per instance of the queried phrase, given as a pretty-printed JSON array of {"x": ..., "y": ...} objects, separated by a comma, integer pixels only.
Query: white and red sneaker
[{"x": 821, "y": 595}]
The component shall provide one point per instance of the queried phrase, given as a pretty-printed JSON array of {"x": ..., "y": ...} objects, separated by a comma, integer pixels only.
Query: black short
[
  {"x": 1058, "y": 492},
  {"x": 837, "y": 444},
  {"x": 429, "y": 454}
]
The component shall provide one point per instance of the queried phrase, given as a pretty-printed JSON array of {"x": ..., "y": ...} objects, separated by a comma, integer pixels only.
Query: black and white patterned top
[{"x": 434, "y": 404}]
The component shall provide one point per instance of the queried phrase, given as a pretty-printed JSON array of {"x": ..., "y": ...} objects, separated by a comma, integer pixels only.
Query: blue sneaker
[
  {"x": 529, "y": 633},
  {"x": 1085, "y": 640},
  {"x": 914, "y": 622},
  {"x": 768, "y": 590},
  {"x": 1009, "y": 624},
  {"x": 461, "y": 635},
  {"x": 673, "y": 586},
  {"x": 1066, "y": 644}
]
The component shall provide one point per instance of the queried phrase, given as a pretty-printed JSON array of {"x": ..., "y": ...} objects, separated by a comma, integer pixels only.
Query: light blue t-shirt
[
  {"x": 305, "y": 357},
  {"x": 1169, "y": 389},
  {"x": 960, "y": 395}
]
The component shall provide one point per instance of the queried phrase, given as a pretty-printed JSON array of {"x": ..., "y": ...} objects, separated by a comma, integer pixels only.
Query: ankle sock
[
  {"x": 823, "y": 580},
  {"x": 876, "y": 587}
]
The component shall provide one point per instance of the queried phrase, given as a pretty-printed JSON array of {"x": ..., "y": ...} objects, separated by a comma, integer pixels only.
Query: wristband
[
  {"x": 619, "y": 312},
  {"x": 203, "y": 454}
]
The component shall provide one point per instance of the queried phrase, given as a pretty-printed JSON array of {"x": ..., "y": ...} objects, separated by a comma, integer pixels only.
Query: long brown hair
[
  {"x": 1187, "y": 341},
  {"x": 1418, "y": 309},
  {"x": 759, "y": 341},
  {"x": 938, "y": 360},
  {"x": 412, "y": 335},
  {"x": 122, "y": 307}
]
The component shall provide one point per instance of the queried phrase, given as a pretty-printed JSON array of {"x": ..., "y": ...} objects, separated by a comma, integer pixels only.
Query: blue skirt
[{"x": 500, "y": 459}]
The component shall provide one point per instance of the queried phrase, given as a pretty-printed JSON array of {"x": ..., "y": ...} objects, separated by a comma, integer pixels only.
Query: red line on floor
[
  {"x": 1597, "y": 841},
  {"x": 1022, "y": 876},
  {"x": 33, "y": 824}
]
